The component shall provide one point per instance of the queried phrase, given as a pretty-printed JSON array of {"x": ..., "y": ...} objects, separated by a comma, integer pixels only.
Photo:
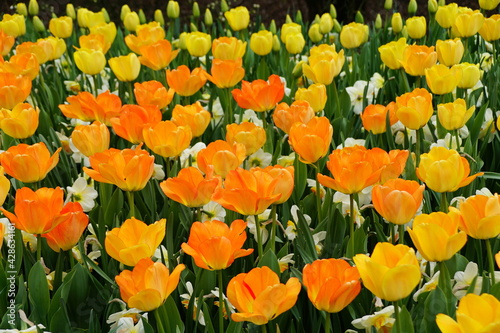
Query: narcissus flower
[
  {"x": 87, "y": 107},
  {"x": 414, "y": 109},
  {"x": 134, "y": 240},
  {"x": 158, "y": 55},
  {"x": 148, "y": 285},
  {"x": 391, "y": 53},
  {"x": 480, "y": 216},
  {"x": 285, "y": 116},
  {"x": 133, "y": 119},
  {"x": 228, "y": 48},
  {"x": 444, "y": 170},
  {"x": 450, "y": 52},
  {"x": 353, "y": 35},
  {"x": 129, "y": 169},
  {"x": 91, "y": 139},
  {"x": 68, "y": 232},
  {"x": 126, "y": 68},
  {"x": 14, "y": 89},
  {"x": 89, "y": 61},
  {"x": 247, "y": 133},
  {"x": 222, "y": 156},
  {"x": 311, "y": 140},
  {"x": 238, "y": 18},
  {"x": 416, "y": 58},
  {"x": 186, "y": 82},
  {"x": 374, "y": 117},
  {"x": 392, "y": 271},
  {"x": 226, "y": 73},
  {"x": 315, "y": 95},
  {"x": 167, "y": 139},
  {"x": 29, "y": 163},
  {"x": 259, "y": 296},
  {"x": 21, "y": 122},
  {"x": 214, "y": 245},
  {"x": 436, "y": 235},
  {"x": 332, "y": 284},
  {"x": 454, "y": 115},
  {"x": 153, "y": 92},
  {"x": 194, "y": 116},
  {"x": 260, "y": 95}
]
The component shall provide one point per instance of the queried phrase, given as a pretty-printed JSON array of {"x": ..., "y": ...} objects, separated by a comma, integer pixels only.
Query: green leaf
[
  {"x": 269, "y": 259},
  {"x": 434, "y": 304},
  {"x": 406, "y": 322},
  {"x": 38, "y": 289}
]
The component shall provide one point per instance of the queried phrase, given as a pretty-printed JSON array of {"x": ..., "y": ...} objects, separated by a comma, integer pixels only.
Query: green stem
[
  {"x": 417, "y": 147},
  {"x": 159, "y": 323},
  {"x": 38, "y": 247},
  {"x": 263, "y": 328},
  {"x": 327, "y": 322},
  {"x": 405, "y": 80},
  {"x": 491, "y": 262},
  {"x": 198, "y": 214},
  {"x": 221, "y": 302},
  {"x": 130, "y": 92},
  {"x": 457, "y": 139},
  {"x": 273, "y": 229},
  {"x": 396, "y": 314},
  {"x": 130, "y": 197},
  {"x": 444, "y": 202},
  {"x": 401, "y": 234},
  {"x": 318, "y": 193},
  {"x": 351, "y": 224},
  {"x": 59, "y": 269},
  {"x": 259, "y": 236}
]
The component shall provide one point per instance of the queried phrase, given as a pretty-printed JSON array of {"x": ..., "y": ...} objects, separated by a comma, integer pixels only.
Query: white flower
[
  {"x": 344, "y": 199},
  {"x": 486, "y": 61},
  {"x": 32, "y": 329},
  {"x": 82, "y": 192},
  {"x": 161, "y": 253},
  {"x": 377, "y": 81},
  {"x": 215, "y": 294},
  {"x": 312, "y": 185},
  {"x": 318, "y": 238},
  {"x": 285, "y": 261},
  {"x": 213, "y": 211},
  {"x": 449, "y": 142},
  {"x": 132, "y": 314},
  {"x": 158, "y": 172},
  {"x": 484, "y": 191},
  {"x": 72, "y": 86},
  {"x": 358, "y": 96},
  {"x": 186, "y": 298},
  {"x": 217, "y": 112},
  {"x": 126, "y": 325},
  {"x": 286, "y": 160},
  {"x": 430, "y": 285},
  {"x": 287, "y": 90},
  {"x": 264, "y": 219},
  {"x": 463, "y": 280},
  {"x": 291, "y": 229},
  {"x": 379, "y": 319},
  {"x": 249, "y": 116},
  {"x": 259, "y": 159},
  {"x": 351, "y": 142},
  {"x": 188, "y": 156}
]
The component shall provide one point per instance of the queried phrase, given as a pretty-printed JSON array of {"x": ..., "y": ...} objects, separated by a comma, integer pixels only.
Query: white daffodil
[
  {"x": 430, "y": 285},
  {"x": 186, "y": 298},
  {"x": 249, "y": 116},
  {"x": 291, "y": 229},
  {"x": 351, "y": 142},
  {"x": 213, "y": 211},
  {"x": 264, "y": 219},
  {"x": 361, "y": 91},
  {"x": 83, "y": 192},
  {"x": 259, "y": 159},
  {"x": 188, "y": 156},
  {"x": 380, "y": 319},
  {"x": 286, "y": 160},
  {"x": 285, "y": 261}
]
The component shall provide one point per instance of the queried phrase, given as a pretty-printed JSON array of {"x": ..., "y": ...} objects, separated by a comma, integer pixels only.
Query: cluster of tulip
[{"x": 172, "y": 145}]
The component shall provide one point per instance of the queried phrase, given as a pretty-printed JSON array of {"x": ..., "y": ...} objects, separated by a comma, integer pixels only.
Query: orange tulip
[
  {"x": 480, "y": 216},
  {"x": 6, "y": 42},
  {"x": 260, "y": 95},
  {"x": 312, "y": 140},
  {"x": 37, "y": 212},
  {"x": 228, "y": 48},
  {"x": 214, "y": 245},
  {"x": 414, "y": 109},
  {"x": 146, "y": 34},
  {"x": 247, "y": 133},
  {"x": 36, "y": 48},
  {"x": 167, "y": 139},
  {"x": 68, "y": 232},
  {"x": 27, "y": 163},
  {"x": 4, "y": 187},
  {"x": 23, "y": 64},
  {"x": 14, "y": 89},
  {"x": 222, "y": 156},
  {"x": 185, "y": 82},
  {"x": 398, "y": 200},
  {"x": 129, "y": 169},
  {"x": 190, "y": 188},
  {"x": 374, "y": 117},
  {"x": 416, "y": 58},
  {"x": 285, "y": 185},
  {"x": 331, "y": 284},
  {"x": 21, "y": 122},
  {"x": 248, "y": 192},
  {"x": 134, "y": 240},
  {"x": 153, "y": 92},
  {"x": 193, "y": 116},
  {"x": 284, "y": 116},
  {"x": 55, "y": 47},
  {"x": 108, "y": 30},
  {"x": 259, "y": 296},
  {"x": 396, "y": 165},
  {"x": 86, "y": 107},
  {"x": 158, "y": 55},
  {"x": 95, "y": 42},
  {"x": 148, "y": 285},
  {"x": 226, "y": 73},
  {"x": 133, "y": 119},
  {"x": 91, "y": 139}
]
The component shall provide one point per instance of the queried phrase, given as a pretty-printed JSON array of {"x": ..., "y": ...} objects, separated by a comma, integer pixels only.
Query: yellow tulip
[
  {"x": 261, "y": 42},
  {"x": 89, "y": 61},
  {"x": 353, "y": 35},
  {"x": 392, "y": 53},
  {"x": 295, "y": 43},
  {"x": 467, "y": 23},
  {"x": 126, "y": 68},
  {"x": 450, "y": 51},
  {"x": 131, "y": 21},
  {"x": 490, "y": 30},
  {"x": 61, "y": 27},
  {"x": 238, "y": 18},
  {"x": 445, "y": 15},
  {"x": 470, "y": 74},
  {"x": 198, "y": 43},
  {"x": 454, "y": 115},
  {"x": 417, "y": 27},
  {"x": 396, "y": 23},
  {"x": 441, "y": 79},
  {"x": 480, "y": 216}
]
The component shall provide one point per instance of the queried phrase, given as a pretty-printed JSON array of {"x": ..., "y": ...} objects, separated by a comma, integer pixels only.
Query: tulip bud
[
  {"x": 404, "y": 32},
  {"x": 442, "y": 2},
  {"x": 131, "y": 21},
  {"x": 21, "y": 9},
  {"x": 396, "y": 23},
  {"x": 378, "y": 22},
  {"x": 336, "y": 26},
  {"x": 105, "y": 14},
  {"x": 412, "y": 7},
  {"x": 276, "y": 43},
  {"x": 223, "y": 6},
  {"x": 297, "y": 70},
  {"x": 333, "y": 11},
  {"x": 173, "y": 10},
  {"x": 208, "y": 18},
  {"x": 182, "y": 40},
  {"x": 272, "y": 27},
  {"x": 298, "y": 16},
  {"x": 432, "y": 6},
  {"x": 325, "y": 23},
  {"x": 142, "y": 16},
  {"x": 159, "y": 17},
  {"x": 288, "y": 19},
  {"x": 314, "y": 33},
  {"x": 124, "y": 11},
  {"x": 38, "y": 24},
  {"x": 359, "y": 18},
  {"x": 70, "y": 11},
  {"x": 33, "y": 7},
  {"x": 196, "y": 10},
  {"x": 388, "y": 4},
  {"x": 192, "y": 27}
]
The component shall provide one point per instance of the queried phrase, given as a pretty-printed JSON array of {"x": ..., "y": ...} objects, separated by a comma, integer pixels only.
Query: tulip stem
[
  {"x": 327, "y": 322},
  {"x": 396, "y": 314},
  {"x": 159, "y": 323},
  {"x": 351, "y": 224},
  {"x": 38, "y": 247},
  {"x": 401, "y": 234},
  {"x": 417, "y": 148},
  {"x": 130, "y": 92},
  {"x": 263, "y": 328},
  {"x": 221, "y": 302},
  {"x": 259, "y": 236},
  {"x": 444, "y": 202},
  {"x": 273, "y": 229},
  {"x": 130, "y": 197},
  {"x": 490, "y": 261},
  {"x": 318, "y": 193},
  {"x": 59, "y": 269},
  {"x": 457, "y": 139}
]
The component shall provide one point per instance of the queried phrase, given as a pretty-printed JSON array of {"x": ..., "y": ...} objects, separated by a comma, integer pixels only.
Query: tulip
[
  {"x": 391, "y": 53},
  {"x": 190, "y": 187},
  {"x": 21, "y": 122},
  {"x": 259, "y": 296},
  {"x": 331, "y": 284},
  {"x": 222, "y": 156},
  {"x": 68, "y": 232},
  {"x": 134, "y": 240},
  {"x": 14, "y": 89},
  {"x": 441, "y": 79},
  {"x": 417, "y": 27},
  {"x": 13, "y": 25},
  {"x": 295, "y": 43},
  {"x": 326, "y": 23},
  {"x": 198, "y": 43},
  {"x": 86, "y": 107},
  {"x": 238, "y": 18},
  {"x": 58, "y": 46},
  {"x": 353, "y": 35},
  {"x": 108, "y": 30},
  {"x": 185, "y": 82},
  {"x": 95, "y": 42},
  {"x": 158, "y": 55},
  {"x": 467, "y": 23},
  {"x": 488, "y": 4},
  {"x": 41, "y": 53},
  {"x": 416, "y": 58},
  {"x": 315, "y": 95},
  {"x": 131, "y": 21},
  {"x": 149, "y": 284},
  {"x": 126, "y": 68},
  {"x": 88, "y": 19},
  {"x": 260, "y": 95},
  {"x": 324, "y": 64},
  {"x": 21, "y": 9},
  {"x": 392, "y": 271},
  {"x": 29, "y": 163},
  {"x": 147, "y": 34},
  {"x": 414, "y": 109},
  {"x": 6, "y": 43},
  {"x": 194, "y": 116},
  {"x": 248, "y": 134},
  {"x": 446, "y": 15},
  {"x": 453, "y": 116},
  {"x": 61, "y": 27},
  {"x": 471, "y": 74},
  {"x": 480, "y": 216},
  {"x": 490, "y": 30},
  {"x": 228, "y": 48},
  {"x": 444, "y": 170},
  {"x": 450, "y": 52},
  {"x": 129, "y": 169},
  {"x": 25, "y": 64},
  {"x": 474, "y": 314},
  {"x": 226, "y": 73},
  {"x": 374, "y": 117},
  {"x": 396, "y": 23},
  {"x": 285, "y": 185},
  {"x": 214, "y": 245},
  {"x": 89, "y": 61},
  {"x": 261, "y": 42},
  {"x": 91, "y": 139},
  {"x": 207, "y": 18},
  {"x": 285, "y": 116},
  {"x": 173, "y": 10},
  {"x": 289, "y": 28},
  {"x": 153, "y": 93},
  {"x": 436, "y": 235},
  {"x": 133, "y": 119},
  {"x": 4, "y": 187},
  {"x": 398, "y": 200},
  {"x": 314, "y": 33},
  {"x": 311, "y": 141},
  {"x": 167, "y": 139}
]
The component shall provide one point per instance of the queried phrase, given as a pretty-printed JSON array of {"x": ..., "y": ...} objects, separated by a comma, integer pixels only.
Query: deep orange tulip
[
  {"x": 260, "y": 95},
  {"x": 374, "y": 117},
  {"x": 21, "y": 122},
  {"x": 285, "y": 185},
  {"x": 129, "y": 169},
  {"x": 22, "y": 64},
  {"x": 153, "y": 92},
  {"x": 226, "y": 73},
  {"x": 86, "y": 107},
  {"x": 398, "y": 200},
  {"x": 29, "y": 163},
  {"x": 259, "y": 296},
  {"x": 91, "y": 139},
  {"x": 158, "y": 55},
  {"x": 95, "y": 42},
  {"x": 134, "y": 240},
  {"x": 133, "y": 119},
  {"x": 228, "y": 48},
  {"x": 414, "y": 109},
  {"x": 248, "y": 192},
  {"x": 222, "y": 156},
  {"x": 68, "y": 232},
  {"x": 416, "y": 58},
  {"x": 214, "y": 245},
  {"x": 146, "y": 34},
  {"x": 332, "y": 284},
  {"x": 190, "y": 187},
  {"x": 315, "y": 95},
  {"x": 194, "y": 116},
  {"x": 185, "y": 82},
  {"x": 14, "y": 89},
  {"x": 148, "y": 285},
  {"x": 167, "y": 139},
  {"x": 480, "y": 216},
  {"x": 284, "y": 116},
  {"x": 6, "y": 43},
  {"x": 247, "y": 133},
  {"x": 311, "y": 141}
]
